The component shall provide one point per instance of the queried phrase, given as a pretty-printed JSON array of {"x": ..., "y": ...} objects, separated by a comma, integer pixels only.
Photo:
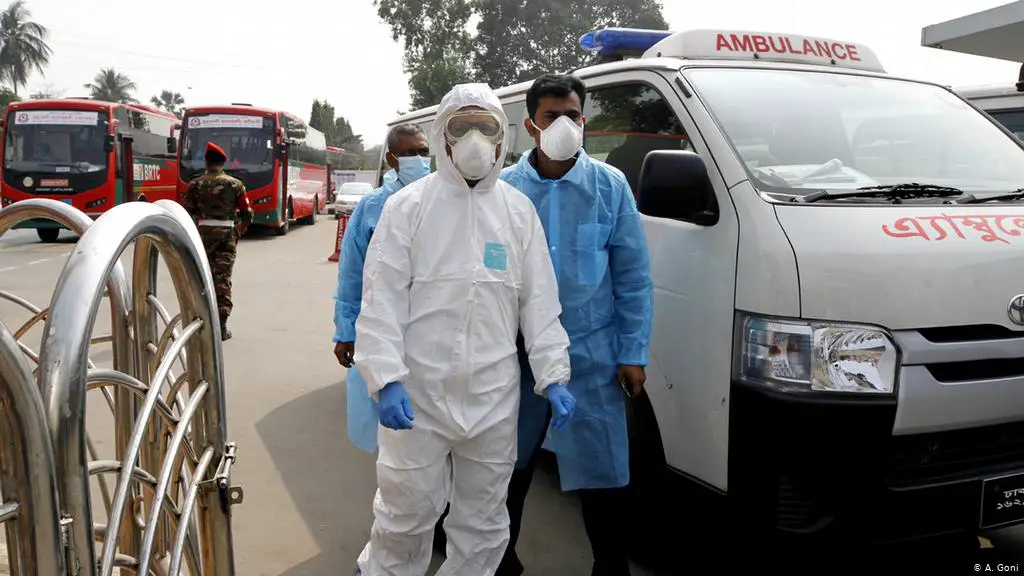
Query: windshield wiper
[
  {"x": 896, "y": 191},
  {"x": 1017, "y": 194}
]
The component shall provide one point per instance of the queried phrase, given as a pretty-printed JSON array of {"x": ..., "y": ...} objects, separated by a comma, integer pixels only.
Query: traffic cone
[{"x": 342, "y": 222}]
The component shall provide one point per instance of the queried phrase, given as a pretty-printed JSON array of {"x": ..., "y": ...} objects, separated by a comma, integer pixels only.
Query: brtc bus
[
  {"x": 837, "y": 355},
  {"x": 79, "y": 151},
  {"x": 280, "y": 159}
]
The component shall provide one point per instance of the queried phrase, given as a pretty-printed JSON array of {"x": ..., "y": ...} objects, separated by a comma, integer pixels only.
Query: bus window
[{"x": 625, "y": 122}]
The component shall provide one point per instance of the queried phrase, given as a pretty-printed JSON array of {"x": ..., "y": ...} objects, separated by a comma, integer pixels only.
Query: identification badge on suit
[{"x": 495, "y": 256}]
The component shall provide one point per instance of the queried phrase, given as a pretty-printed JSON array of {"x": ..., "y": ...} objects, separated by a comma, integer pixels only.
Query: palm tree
[
  {"x": 170, "y": 101},
  {"x": 112, "y": 86},
  {"x": 23, "y": 45}
]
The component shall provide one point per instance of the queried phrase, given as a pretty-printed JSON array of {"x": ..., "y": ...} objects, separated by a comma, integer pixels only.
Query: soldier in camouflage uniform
[{"x": 221, "y": 209}]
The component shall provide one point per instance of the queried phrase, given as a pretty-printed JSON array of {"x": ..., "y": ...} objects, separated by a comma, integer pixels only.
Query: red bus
[
  {"x": 78, "y": 151},
  {"x": 281, "y": 160}
]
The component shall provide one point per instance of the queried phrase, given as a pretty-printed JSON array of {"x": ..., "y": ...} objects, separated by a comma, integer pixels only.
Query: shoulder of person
[
  {"x": 608, "y": 173},
  {"x": 226, "y": 178},
  {"x": 409, "y": 197},
  {"x": 510, "y": 173},
  {"x": 519, "y": 202}
]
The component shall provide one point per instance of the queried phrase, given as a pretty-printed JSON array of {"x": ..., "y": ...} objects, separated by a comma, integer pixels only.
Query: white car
[{"x": 348, "y": 197}]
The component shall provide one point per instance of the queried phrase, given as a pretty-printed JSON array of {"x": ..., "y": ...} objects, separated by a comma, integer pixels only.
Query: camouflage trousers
[{"x": 221, "y": 246}]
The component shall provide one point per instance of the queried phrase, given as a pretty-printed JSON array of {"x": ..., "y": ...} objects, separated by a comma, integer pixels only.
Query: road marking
[
  {"x": 8, "y": 269},
  {"x": 34, "y": 262}
]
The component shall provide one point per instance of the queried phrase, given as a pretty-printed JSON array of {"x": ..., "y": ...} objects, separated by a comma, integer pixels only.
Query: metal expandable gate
[{"x": 169, "y": 512}]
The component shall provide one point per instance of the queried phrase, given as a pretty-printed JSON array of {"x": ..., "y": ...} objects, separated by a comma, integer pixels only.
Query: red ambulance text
[{"x": 786, "y": 45}]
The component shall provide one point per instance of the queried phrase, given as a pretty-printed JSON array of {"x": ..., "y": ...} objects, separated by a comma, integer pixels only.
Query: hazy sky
[{"x": 284, "y": 54}]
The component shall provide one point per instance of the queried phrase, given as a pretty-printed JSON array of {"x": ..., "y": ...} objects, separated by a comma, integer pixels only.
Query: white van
[
  {"x": 839, "y": 285},
  {"x": 1004, "y": 103}
]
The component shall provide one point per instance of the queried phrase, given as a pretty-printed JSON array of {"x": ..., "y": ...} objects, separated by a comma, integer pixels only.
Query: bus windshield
[
  {"x": 248, "y": 141},
  {"x": 55, "y": 141},
  {"x": 798, "y": 132}
]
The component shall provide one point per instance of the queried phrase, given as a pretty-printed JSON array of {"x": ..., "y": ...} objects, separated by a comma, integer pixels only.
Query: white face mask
[
  {"x": 473, "y": 156},
  {"x": 562, "y": 139}
]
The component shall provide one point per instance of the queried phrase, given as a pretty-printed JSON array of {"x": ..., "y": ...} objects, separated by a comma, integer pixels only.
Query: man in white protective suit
[{"x": 458, "y": 266}]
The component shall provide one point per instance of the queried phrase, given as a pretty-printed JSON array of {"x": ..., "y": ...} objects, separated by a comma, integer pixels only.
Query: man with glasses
[
  {"x": 459, "y": 266},
  {"x": 408, "y": 155}
]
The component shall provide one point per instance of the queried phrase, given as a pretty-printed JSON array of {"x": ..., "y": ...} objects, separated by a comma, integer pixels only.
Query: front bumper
[{"x": 819, "y": 470}]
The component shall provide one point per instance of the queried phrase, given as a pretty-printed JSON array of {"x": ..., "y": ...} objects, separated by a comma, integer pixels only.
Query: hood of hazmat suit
[{"x": 453, "y": 273}]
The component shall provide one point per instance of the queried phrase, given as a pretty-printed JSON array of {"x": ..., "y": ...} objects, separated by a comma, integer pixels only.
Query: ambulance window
[
  {"x": 518, "y": 138},
  {"x": 1012, "y": 119},
  {"x": 625, "y": 122}
]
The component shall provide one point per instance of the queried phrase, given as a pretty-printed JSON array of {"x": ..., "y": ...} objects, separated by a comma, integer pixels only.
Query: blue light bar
[{"x": 621, "y": 41}]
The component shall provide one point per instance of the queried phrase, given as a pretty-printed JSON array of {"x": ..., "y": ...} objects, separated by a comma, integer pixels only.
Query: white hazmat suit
[{"x": 452, "y": 274}]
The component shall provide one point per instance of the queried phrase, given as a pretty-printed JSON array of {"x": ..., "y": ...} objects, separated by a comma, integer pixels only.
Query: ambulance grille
[
  {"x": 920, "y": 459},
  {"x": 973, "y": 333}
]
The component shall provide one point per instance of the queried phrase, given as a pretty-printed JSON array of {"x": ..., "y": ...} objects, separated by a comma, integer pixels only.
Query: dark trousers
[{"x": 604, "y": 518}]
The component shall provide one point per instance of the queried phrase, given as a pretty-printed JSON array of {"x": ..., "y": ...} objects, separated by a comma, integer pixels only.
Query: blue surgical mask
[{"x": 412, "y": 168}]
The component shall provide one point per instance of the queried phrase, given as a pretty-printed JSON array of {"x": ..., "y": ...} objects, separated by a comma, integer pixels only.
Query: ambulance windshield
[{"x": 799, "y": 132}]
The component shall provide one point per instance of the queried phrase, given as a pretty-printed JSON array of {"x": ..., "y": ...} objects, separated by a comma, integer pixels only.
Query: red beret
[{"x": 211, "y": 147}]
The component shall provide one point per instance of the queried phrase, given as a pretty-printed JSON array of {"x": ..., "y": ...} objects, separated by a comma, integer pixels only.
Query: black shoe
[{"x": 225, "y": 334}]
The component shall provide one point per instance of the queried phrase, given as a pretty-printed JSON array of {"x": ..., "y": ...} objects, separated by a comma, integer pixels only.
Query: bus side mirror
[
  {"x": 108, "y": 143},
  {"x": 675, "y": 184},
  {"x": 172, "y": 145},
  {"x": 281, "y": 150}
]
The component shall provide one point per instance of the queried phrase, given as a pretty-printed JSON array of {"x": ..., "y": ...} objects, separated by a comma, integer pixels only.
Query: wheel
[
  {"x": 311, "y": 219},
  {"x": 48, "y": 234},
  {"x": 652, "y": 547},
  {"x": 288, "y": 213}
]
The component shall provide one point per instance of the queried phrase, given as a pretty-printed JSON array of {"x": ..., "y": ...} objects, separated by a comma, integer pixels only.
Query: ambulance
[{"x": 838, "y": 263}]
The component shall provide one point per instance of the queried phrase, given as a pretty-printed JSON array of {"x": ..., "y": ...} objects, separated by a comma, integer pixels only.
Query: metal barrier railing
[{"x": 169, "y": 512}]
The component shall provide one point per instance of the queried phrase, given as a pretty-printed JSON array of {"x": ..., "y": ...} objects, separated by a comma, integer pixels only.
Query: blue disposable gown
[
  {"x": 599, "y": 252},
  {"x": 362, "y": 413}
]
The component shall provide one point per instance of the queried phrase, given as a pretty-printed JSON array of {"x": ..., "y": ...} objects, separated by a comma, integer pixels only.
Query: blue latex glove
[
  {"x": 563, "y": 404},
  {"x": 394, "y": 408}
]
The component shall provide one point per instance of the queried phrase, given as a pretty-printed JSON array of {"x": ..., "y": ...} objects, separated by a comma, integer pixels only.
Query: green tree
[
  {"x": 371, "y": 158},
  {"x": 345, "y": 138},
  {"x": 438, "y": 47},
  {"x": 23, "y": 46},
  {"x": 321, "y": 117},
  {"x": 170, "y": 101},
  {"x": 6, "y": 97},
  {"x": 110, "y": 85},
  {"x": 515, "y": 40},
  {"x": 518, "y": 41}
]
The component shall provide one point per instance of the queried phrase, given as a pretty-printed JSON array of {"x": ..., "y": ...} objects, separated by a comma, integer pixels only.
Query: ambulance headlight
[{"x": 798, "y": 356}]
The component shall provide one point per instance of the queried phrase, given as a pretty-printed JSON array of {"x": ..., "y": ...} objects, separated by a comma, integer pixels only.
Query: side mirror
[
  {"x": 675, "y": 184},
  {"x": 281, "y": 150},
  {"x": 172, "y": 145},
  {"x": 108, "y": 143}
]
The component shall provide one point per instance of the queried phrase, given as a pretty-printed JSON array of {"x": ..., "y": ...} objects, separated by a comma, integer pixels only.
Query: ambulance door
[{"x": 693, "y": 266}]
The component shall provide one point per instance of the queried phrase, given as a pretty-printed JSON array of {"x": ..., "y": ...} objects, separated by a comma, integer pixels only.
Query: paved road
[{"x": 307, "y": 490}]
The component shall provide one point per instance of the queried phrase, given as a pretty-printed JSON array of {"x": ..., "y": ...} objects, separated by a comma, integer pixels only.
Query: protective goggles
[{"x": 463, "y": 122}]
